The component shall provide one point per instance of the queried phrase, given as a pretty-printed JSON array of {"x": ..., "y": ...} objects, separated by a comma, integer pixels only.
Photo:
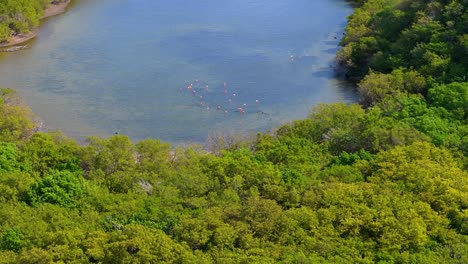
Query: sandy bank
[
  {"x": 57, "y": 9},
  {"x": 52, "y": 10}
]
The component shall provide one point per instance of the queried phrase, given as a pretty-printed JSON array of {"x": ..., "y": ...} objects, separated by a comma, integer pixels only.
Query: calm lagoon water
[{"x": 126, "y": 66}]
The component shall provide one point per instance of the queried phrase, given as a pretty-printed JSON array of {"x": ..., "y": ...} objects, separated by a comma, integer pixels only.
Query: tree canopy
[{"x": 20, "y": 16}]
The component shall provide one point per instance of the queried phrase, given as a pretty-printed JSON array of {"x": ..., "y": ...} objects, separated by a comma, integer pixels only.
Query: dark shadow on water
[
  {"x": 190, "y": 45},
  {"x": 335, "y": 42},
  {"x": 332, "y": 51},
  {"x": 325, "y": 73},
  {"x": 347, "y": 89}
]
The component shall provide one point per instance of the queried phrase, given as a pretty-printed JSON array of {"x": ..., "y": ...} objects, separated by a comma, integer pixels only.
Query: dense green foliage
[
  {"x": 344, "y": 185},
  {"x": 411, "y": 60},
  {"x": 16, "y": 120},
  {"x": 430, "y": 37},
  {"x": 385, "y": 181},
  {"x": 20, "y": 16}
]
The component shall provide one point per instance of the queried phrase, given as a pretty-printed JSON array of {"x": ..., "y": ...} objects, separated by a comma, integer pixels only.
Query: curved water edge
[
  {"x": 52, "y": 10},
  {"x": 126, "y": 75}
]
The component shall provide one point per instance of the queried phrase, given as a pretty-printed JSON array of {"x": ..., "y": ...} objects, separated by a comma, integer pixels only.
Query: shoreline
[{"x": 51, "y": 10}]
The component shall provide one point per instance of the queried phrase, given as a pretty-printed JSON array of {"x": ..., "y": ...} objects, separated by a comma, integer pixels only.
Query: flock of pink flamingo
[{"x": 221, "y": 98}]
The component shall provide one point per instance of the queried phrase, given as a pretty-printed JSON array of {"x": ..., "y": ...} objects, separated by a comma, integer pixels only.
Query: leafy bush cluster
[
  {"x": 430, "y": 37},
  {"x": 20, "y": 16},
  {"x": 411, "y": 61}
]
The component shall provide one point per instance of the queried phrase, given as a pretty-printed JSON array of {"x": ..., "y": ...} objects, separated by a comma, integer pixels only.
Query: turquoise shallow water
[{"x": 126, "y": 66}]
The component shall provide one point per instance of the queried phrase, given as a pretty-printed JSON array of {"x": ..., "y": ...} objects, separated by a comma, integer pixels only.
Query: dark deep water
[{"x": 126, "y": 66}]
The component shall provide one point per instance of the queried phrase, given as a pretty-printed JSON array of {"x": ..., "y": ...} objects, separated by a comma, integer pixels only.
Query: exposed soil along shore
[
  {"x": 52, "y": 10},
  {"x": 56, "y": 9},
  {"x": 21, "y": 38}
]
